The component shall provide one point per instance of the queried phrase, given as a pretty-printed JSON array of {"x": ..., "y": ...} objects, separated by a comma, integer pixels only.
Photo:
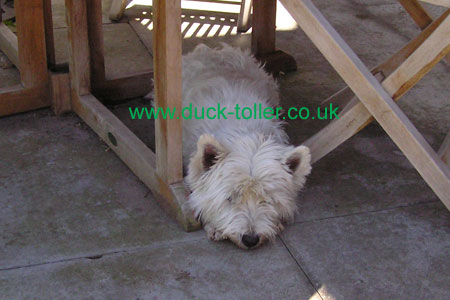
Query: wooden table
[
  {"x": 45, "y": 83},
  {"x": 370, "y": 94}
]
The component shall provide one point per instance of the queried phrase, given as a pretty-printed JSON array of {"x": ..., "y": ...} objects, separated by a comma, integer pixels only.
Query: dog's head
[{"x": 246, "y": 190}]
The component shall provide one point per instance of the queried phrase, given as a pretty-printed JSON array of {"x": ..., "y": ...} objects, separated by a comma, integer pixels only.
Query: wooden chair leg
[
  {"x": 167, "y": 74},
  {"x": 243, "y": 23},
  {"x": 355, "y": 116},
  {"x": 263, "y": 38},
  {"x": 264, "y": 19},
  {"x": 373, "y": 96},
  {"x": 117, "y": 9}
]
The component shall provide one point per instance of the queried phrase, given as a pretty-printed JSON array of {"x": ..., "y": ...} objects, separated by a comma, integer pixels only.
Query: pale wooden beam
[
  {"x": 167, "y": 73},
  {"x": 373, "y": 96},
  {"x": 445, "y": 3}
]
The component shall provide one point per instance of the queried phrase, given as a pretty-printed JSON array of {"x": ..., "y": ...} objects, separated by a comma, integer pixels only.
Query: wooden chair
[
  {"x": 369, "y": 98},
  {"x": 243, "y": 23}
]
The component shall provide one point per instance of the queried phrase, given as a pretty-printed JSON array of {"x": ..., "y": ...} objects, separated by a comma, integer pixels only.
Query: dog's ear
[
  {"x": 209, "y": 152},
  {"x": 298, "y": 162}
]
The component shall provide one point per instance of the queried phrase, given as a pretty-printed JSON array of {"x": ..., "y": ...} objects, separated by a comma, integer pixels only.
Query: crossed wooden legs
[{"x": 377, "y": 100}]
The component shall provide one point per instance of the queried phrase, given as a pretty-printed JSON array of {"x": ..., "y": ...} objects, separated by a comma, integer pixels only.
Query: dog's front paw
[
  {"x": 214, "y": 234},
  {"x": 280, "y": 227}
]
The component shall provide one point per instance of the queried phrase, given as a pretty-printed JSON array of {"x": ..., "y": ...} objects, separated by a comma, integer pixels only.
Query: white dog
[{"x": 243, "y": 176}]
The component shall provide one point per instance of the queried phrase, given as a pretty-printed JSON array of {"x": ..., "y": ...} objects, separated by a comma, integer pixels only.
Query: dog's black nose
[{"x": 250, "y": 240}]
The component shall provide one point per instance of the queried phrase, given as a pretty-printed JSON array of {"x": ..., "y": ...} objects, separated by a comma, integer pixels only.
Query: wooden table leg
[
  {"x": 263, "y": 38},
  {"x": 167, "y": 75}
]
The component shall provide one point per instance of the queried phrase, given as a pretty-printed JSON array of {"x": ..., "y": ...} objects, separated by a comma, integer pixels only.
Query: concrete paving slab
[
  {"x": 395, "y": 254},
  {"x": 64, "y": 195},
  {"x": 191, "y": 270},
  {"x": 124, "y": 52}
]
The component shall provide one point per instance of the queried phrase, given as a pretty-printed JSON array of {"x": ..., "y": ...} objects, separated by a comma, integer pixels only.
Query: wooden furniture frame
[
  {"x": 368, "y": 99},
  {"x": 243, "y": 22},
  {"x": 46, "y": 83},
  {"x": 28, "y": 52}
]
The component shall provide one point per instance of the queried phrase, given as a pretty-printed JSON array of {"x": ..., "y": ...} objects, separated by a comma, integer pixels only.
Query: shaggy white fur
[{"x": 243, "y": 176}]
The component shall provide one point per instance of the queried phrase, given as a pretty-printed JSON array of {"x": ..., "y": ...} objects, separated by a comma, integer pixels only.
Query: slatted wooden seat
[{"x": 243, "y": 22}]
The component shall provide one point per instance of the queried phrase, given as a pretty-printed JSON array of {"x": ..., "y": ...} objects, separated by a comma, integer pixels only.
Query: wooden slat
[
  {"x": 49, "y": 37},
  {"x": 16, "y": 99},
  {"x": 79, "y": 58},
  {"x": 263, "y": 26},
  {"x": 243, "y": 22},
  {"x": 96, "y": 45},
  {"x": 126, "y": 87},
  {"x": 445, "y": 3},
  {"x": 167, "y": 72},
  {"x": 444, "y": 150},
  {"x": 417, "y": 13},
  {"x": 31, "y": 41},
  {"x": 373, "y": 96},
  {"x": 137, "y": 156},
  {"x": 9, "y": 45}
]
